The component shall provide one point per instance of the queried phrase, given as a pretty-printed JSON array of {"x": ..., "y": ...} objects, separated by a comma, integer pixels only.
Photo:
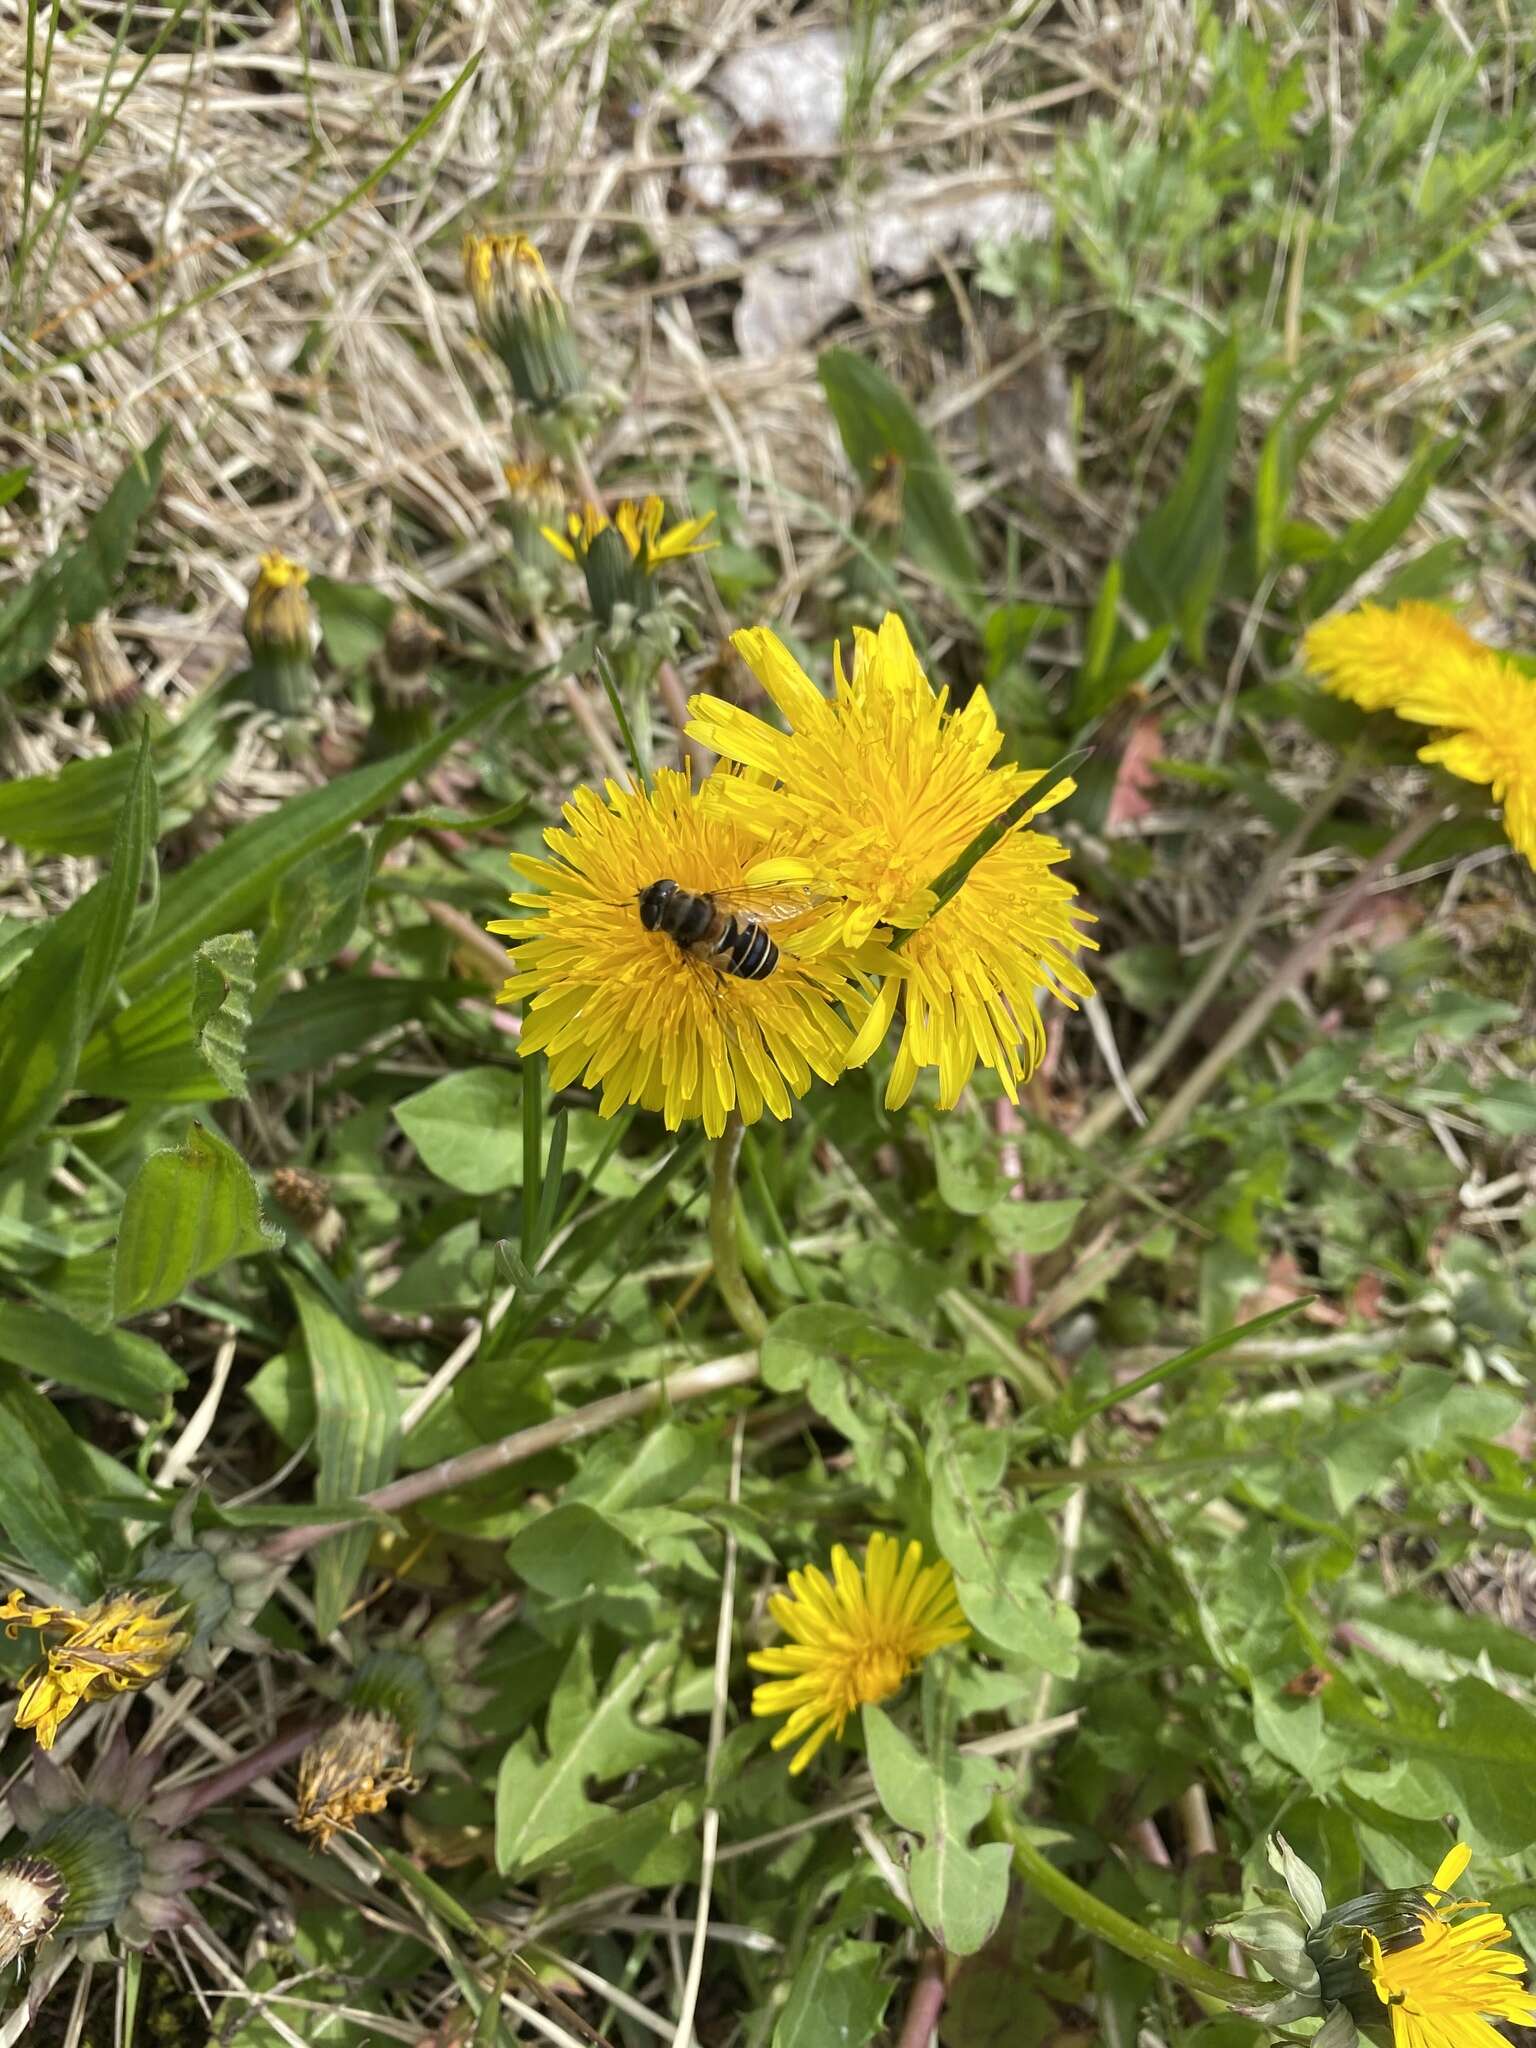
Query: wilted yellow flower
[
  {"x": 1376, "y": 657},
  {"x": 855, "y": 1639},
  {"x": 349, "y": 1771},
  {"x": 1442, "y": 1985},
  {"x": 522, "y": 318},
  {"x": 624, "y": 1008},
  {"x": 886, "y": 789},
  {"x": 118, "y": 1644}
]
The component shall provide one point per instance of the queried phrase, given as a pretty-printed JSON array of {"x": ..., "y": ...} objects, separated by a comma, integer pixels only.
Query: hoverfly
[{"x": 723, "y": 928}]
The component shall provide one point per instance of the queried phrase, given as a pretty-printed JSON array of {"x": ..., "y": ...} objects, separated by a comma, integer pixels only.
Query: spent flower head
[
  {"x": 854, "y": 1639},
  {"x": 117, "y": 1644},
  {"x": 349, "y": 1771},
  {"x": 625, "y": 1008}
]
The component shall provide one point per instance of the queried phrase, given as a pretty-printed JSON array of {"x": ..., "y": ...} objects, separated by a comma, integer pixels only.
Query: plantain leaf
[
  {"x": 187, "y": 1210},
  {"x": 357, "y": 1439},
  {"x": 92, "y": 574},
  {"x": 35, "y": 1474},
  {"x": 114, "y": 1365}
]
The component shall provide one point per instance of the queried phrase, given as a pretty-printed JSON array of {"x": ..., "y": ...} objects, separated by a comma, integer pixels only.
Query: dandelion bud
[
  {"x": 523, "y": 319},
  {"x": 410, "y": 642},
  {"x": 619, "y": 557},
  {"x": 112, "y": 689},
  {"x": 280, "y": 632},
  {"x": 32, "y": 1894}
]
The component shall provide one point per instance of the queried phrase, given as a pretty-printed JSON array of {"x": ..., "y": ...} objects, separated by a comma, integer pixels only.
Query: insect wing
[{"x": 778, "y": 904}]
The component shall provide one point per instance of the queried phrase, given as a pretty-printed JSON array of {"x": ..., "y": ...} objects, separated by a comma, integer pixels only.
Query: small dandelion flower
[
  {"x": 1444, "y": 1983},
  {"x": 620, "y": 557},
  {"x": 350, "y": 1771},
  {"x": 522, "y": 318},
  {"x": 1376, "y": 657},
  {"x": 624, "y": 1009},
  {"x": 118, "y": 1644},
  {"x": 855, "y": 1640}
]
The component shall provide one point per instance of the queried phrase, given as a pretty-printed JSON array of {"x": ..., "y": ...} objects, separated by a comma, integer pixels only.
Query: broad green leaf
[
  {"x": 1174, "y": 560},
  {"x": 231, "y": 886},
  {"x": 48, "y": 1007},
  {"x": 1034, "y": 1227},
  {"x": 357, "y": 1439},
  {"x": 223, "y": 981},
  {"x": 540, "y": 1804},
  {"x": 30, "y": 620},
  {"x": 114, "y": 1365},
  {"x": 876, "y": 422},
  {"x": 308, "y": 1027},
  {"x": 468, "y": 1128},
  {"x": 353, "y": 620},
  {"x": 36, "y": 1510},
  {"x": 13, "y": 482},
  {"x": 569, "y": 1550},
  {"x": 91, "y": 576},
  {"x": 1002, "y": 1557},
  {"x": 959, "y": 1892},
  {"x": 187, "y": 1210},
  {"x": 1368, "y": 539},
  {"x": 149, "y": 1051},
  {"x": 837, "y": 1997}
]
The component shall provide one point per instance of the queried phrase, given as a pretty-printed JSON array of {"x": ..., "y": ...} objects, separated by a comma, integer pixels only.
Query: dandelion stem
[
  {"x": 723, "y": 1239},
  {"x": 1096, "y": 1918}
]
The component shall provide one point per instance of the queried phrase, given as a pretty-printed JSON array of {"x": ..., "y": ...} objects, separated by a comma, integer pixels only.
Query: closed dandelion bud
[
  {"x": 405, "y": 701},
  {"x": 212, "y": 1578},
  {"x": 306, "y": 1197},
  {"x": 107, "y": 677},
  {"x": 118, "y": 1869},
  {"x": 280, "y": 633},
  {"x": 523, "y": 319},
  {"x": 31, "y": 1897}
]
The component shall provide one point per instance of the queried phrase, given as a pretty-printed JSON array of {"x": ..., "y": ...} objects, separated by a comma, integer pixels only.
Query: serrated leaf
[
  {"x": 837, "y": 1997},
  {"x": 35, "y": 1507},
  {"x": 876, "y": 422},
  {"x": 1001, "y": 1557},
  {"x": 114, "y": 1365},
  {"x": 357, "y": 1438},
  {"x": 187, "y": 1210},
  {"x": 223, "y": 982},
  {"x": 540, "y": 1804},
  {"x": 959, "y": 1892},
  {"x": 1478, "y": 1743},
  {"x": 231, "y": 886},
  {"x": 48, "y": 1006}
]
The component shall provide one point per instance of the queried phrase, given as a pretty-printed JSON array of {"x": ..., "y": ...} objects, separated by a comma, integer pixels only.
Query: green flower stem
[
  {"x": 724, "y": 1242},
  {"x": 1102, "y": 1921}
]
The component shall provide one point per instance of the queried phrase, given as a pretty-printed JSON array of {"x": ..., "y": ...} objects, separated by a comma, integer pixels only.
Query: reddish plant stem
[{"x": 921, "y": 2019}]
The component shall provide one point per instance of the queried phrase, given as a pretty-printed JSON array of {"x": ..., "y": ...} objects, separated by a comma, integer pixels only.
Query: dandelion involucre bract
[
  {"x": 855, "y": 1639},
  {"x": 118, "y": 1644},
  {"x": 623, "y": 1009},
  {"x": 888, "y": 788},
  {"x": 1442, "y": 1989}
]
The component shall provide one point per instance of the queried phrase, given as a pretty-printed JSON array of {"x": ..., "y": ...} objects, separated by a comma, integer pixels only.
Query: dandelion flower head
[
  {"x": 887, "y": 785},
  {"x": 854, "y": 1639},
  {"x": 1443, "y": 1987},
  {"x": 1490, "y": 706},
  {"x": 349, "y": 1771},
  {"x": 118, "y": 1644},
  {"x": 1377, "y": 657},
  {"x": 624, "y": 1009},
  {"x": 640, "y": 527}
]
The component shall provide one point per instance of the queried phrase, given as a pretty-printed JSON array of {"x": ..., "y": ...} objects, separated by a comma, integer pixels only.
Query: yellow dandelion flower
[
  {"x": 639, "y": 525},
  {"x": 1442, "y": 1986},
  {"x": 855, "y": 1639},
  {"x": 349, "y": 1771},
  {"x": 887, "y": 788},
  {"x": 277, "y": 614},
  {"x": 970, "y": 978},
  {"x": 1491, "y": 706},
  {"x": 624, "y": 1008},
  {"x": 118, "y": 1644},
  {"x": 1376, "y": 657}
]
